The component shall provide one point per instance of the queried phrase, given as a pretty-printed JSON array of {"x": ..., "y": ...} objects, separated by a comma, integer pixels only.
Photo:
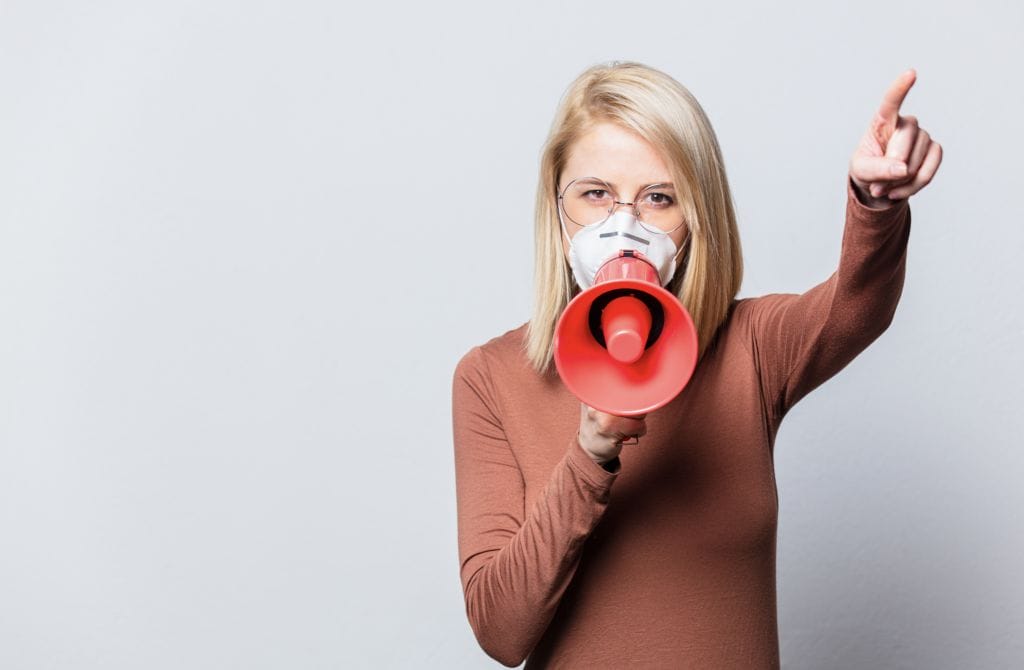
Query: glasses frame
[{"x": 615, "y": 203}]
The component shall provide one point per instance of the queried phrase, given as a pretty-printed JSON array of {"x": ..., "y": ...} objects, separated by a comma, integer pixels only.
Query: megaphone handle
[{"x": 635, "y": 438}]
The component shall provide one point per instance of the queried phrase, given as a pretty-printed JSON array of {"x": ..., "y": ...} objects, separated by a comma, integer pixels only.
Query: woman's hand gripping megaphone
[{"x": 601, "y": 435}]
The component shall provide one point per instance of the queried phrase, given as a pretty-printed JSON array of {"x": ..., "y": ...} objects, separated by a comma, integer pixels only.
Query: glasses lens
[
  {"x": 659, "y": 208},
  {"x": 587, "y": 201}
]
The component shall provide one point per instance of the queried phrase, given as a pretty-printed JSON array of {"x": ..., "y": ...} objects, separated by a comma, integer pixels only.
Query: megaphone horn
[{"x": 625, "y": 346}]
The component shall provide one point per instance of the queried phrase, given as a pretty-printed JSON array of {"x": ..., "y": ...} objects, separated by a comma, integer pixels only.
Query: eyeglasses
[{"x": 588, "y": 200}]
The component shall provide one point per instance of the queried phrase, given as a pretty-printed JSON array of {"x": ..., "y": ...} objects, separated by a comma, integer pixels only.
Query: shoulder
[
  {"x": 505, "y": 351},
  {"x": 736, "y": 318},
  {"x": 744, "y": 314}
]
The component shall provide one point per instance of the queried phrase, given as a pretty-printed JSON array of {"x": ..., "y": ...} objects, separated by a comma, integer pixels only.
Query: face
[{"x": 620, "y": 157}]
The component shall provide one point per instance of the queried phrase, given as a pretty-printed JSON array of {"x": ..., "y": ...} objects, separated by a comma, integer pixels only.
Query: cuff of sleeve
[
  {"x": 881, "y": 216},
  {"x": 589, "y": 469}
]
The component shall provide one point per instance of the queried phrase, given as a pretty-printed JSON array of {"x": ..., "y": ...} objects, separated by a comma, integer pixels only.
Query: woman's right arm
[{"x": 515, "y": 564}]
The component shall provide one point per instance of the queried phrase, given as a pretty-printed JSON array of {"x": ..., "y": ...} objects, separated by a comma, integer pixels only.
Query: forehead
[{"x": 617, "y": 155}]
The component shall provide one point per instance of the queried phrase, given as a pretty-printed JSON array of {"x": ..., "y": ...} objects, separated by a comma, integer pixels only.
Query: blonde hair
[{"x": 664, "y": 113}]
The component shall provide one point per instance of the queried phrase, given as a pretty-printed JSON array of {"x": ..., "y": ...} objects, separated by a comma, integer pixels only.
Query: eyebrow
[{"x": 657, "y": 183}]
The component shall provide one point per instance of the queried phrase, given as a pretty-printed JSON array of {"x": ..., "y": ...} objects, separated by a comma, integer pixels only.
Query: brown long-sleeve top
[{"x": 668, "y": 561}]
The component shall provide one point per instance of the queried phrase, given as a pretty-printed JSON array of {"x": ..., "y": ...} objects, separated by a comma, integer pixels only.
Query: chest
[{"x": 704, "y": 470}]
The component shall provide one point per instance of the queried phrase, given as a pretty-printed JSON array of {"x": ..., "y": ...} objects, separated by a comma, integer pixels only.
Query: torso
[{"x": 683, "y": 561}]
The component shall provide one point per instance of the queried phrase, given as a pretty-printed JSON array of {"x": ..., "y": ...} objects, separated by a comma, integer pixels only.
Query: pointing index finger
[{"x": 889, "y": 110}]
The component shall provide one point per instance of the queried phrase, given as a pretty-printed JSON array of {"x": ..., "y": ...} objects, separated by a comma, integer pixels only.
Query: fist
[{"x": 601, "y": 434}]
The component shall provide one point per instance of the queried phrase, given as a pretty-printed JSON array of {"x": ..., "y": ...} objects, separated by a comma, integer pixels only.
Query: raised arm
[
  {"x": 515, "y": 564},
  {"x": 799, "y": 341}
]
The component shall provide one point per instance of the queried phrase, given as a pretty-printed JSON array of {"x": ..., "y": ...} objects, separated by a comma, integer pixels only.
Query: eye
[
  {"x": 598, "y": 196},
  {"x": 659, "y": 200}
]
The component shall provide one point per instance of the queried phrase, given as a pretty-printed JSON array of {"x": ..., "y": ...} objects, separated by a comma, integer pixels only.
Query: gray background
[{"x": 243, "y": 245}]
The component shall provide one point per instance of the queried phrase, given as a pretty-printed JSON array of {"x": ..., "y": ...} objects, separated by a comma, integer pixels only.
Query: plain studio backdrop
[{"x": 243, "y": 246}]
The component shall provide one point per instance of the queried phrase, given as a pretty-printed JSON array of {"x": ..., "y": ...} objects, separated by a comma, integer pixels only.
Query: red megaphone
[{"x": 625, "y": 346}]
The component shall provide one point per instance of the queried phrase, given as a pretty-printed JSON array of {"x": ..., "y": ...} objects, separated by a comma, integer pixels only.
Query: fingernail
[
  {"x": 898, "y": 169},
  {"x": 875, "y": 190}
]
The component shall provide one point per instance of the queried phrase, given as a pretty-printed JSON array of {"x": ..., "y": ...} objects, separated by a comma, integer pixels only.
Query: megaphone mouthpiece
[{"x": 626, "y": 323}]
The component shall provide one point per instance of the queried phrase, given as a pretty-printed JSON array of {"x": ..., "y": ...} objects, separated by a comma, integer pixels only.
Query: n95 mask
[{"x": 592, "y": 246}]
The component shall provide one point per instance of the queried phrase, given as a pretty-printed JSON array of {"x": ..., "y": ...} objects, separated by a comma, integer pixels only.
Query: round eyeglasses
[{"x": 588, "y": 200}]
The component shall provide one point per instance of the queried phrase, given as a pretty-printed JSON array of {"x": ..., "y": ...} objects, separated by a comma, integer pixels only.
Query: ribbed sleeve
[
  {"x": 515, "y": 563},
  {"x": 801, "y": 340}
]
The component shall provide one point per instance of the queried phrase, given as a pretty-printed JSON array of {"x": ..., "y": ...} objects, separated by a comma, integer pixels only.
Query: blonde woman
[{"x": 575, "y": 553}]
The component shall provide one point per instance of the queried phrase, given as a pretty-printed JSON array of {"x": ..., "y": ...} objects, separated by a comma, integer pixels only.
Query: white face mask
[{"x": 592, "y": 246}]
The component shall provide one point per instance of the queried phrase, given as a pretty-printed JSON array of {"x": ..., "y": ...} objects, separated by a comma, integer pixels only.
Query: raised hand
[{"x": 896, "y": 157}]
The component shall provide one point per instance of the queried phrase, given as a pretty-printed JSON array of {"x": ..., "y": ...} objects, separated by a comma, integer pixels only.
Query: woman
[{"x": 575, "y": 553}]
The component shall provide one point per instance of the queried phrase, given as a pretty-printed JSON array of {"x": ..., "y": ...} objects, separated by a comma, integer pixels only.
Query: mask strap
[
  {"x": 565, "y": 233},
  {"x": 561, "y": 223},
  {"x": 682, "y": 246}
]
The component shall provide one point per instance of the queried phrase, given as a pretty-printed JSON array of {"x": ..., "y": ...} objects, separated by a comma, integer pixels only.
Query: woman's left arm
[{"x": 801, "y": 340}]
